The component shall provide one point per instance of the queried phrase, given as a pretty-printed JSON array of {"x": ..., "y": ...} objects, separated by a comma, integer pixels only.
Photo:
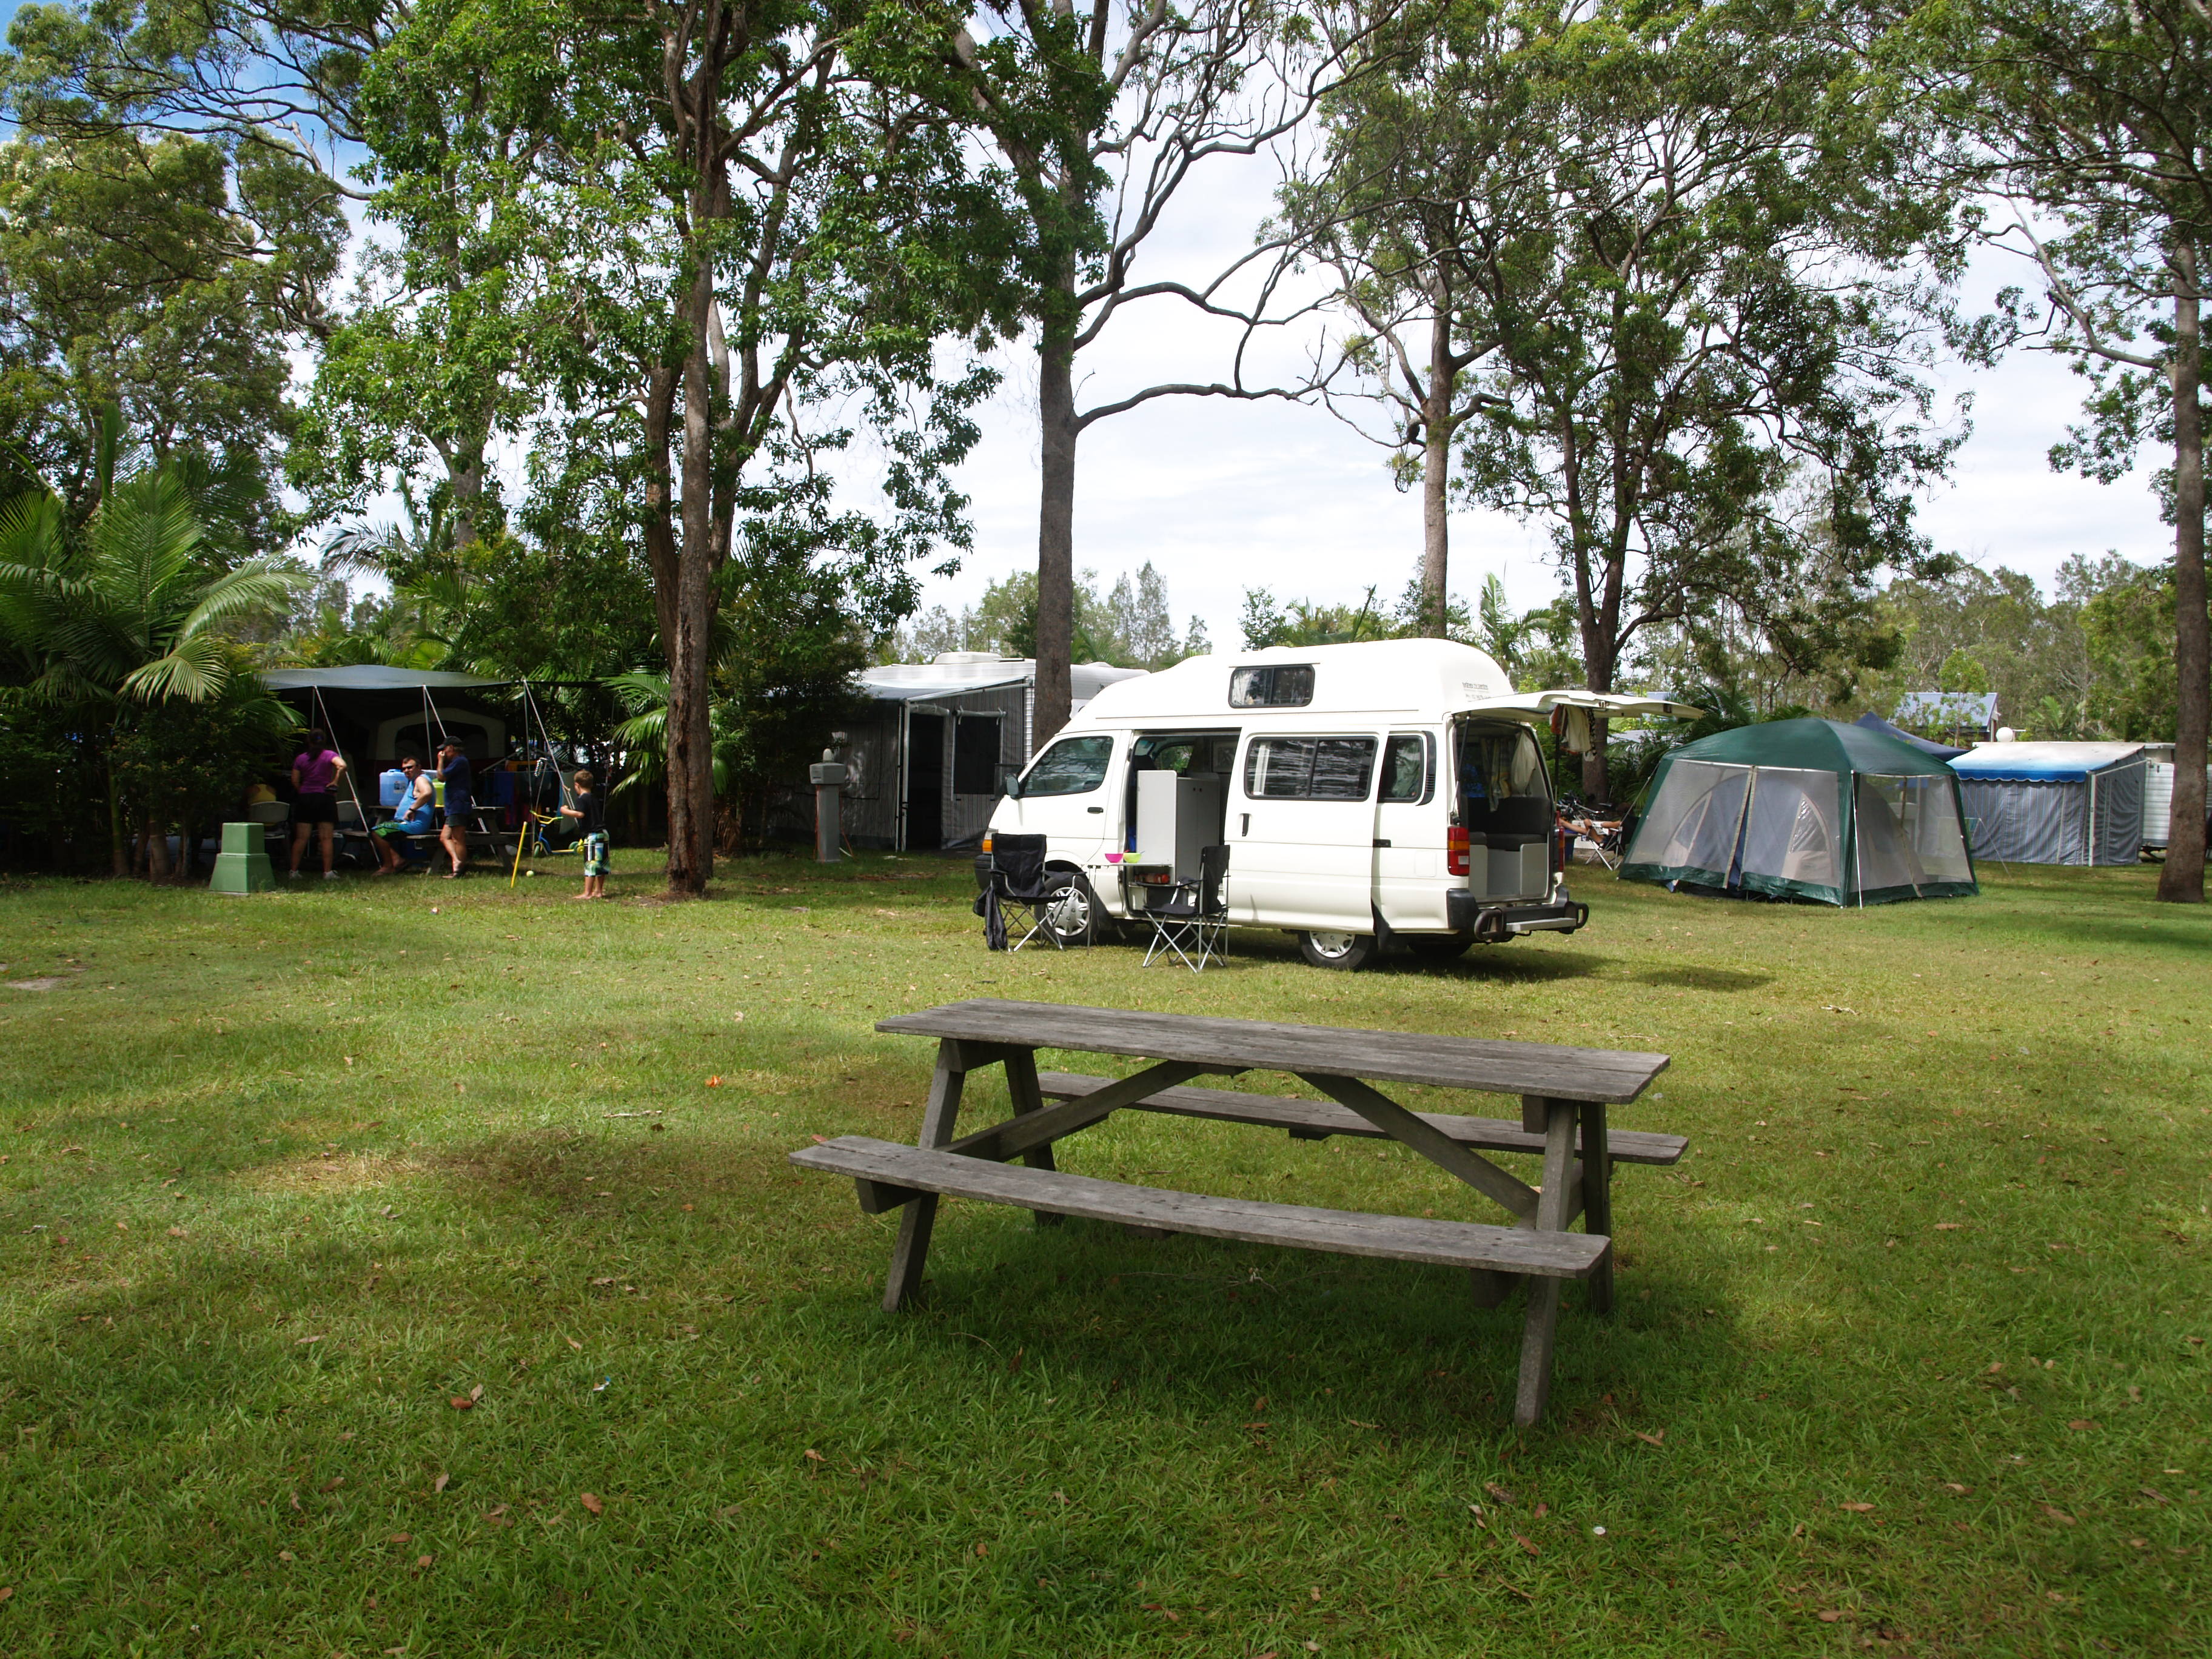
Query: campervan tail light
[{"x": 1455, "y": 849}]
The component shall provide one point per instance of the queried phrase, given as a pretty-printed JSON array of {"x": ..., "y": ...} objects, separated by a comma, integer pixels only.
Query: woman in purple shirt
[{"x": 316, "y": 770}]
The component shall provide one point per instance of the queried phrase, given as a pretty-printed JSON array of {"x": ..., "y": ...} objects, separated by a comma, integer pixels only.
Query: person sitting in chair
[{"x": 412, "y": 816}]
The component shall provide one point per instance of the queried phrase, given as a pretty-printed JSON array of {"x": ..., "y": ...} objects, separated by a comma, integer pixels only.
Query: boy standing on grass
[{"x": 590, "y": 813}]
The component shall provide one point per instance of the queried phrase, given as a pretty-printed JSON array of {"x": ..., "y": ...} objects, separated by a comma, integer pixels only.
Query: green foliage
[{"x": 164, "y": 277}]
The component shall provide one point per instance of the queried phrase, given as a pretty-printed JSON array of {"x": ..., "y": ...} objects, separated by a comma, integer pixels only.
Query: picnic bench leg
[
  {"x": 1022, "y": 1086},
  {"x": 1543, "y": 1320},
  {"x": 916, "y": 1219},
  {"x": 1597, "y": 1200}
]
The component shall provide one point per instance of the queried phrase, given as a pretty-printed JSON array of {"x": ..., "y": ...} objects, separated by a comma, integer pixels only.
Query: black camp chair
[
  {"x": 1193, "y": 917},
  {"x": 1014, "y": 893}
]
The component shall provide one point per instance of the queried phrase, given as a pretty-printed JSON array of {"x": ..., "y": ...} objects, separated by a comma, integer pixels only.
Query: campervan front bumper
[{"x": 1468, "y": 913}]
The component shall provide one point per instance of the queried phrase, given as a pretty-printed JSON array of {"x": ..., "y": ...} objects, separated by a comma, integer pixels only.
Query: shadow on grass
[{"x": 1703, "y": 979}]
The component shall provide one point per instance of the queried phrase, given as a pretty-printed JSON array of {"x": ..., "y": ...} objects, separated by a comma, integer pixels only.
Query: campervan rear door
[{"x": 1301, "y": 830}]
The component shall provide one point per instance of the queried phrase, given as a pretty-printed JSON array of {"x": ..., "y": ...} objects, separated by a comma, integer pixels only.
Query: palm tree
[{"x": 129, "y": 613}]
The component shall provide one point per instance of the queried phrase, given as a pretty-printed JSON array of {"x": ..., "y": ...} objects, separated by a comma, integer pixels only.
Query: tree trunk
[
  {"x": 2181, "y": 879},
  {"x": 157, "y": 850},
  {"x": 691, "y": 742},
  {"x": 1435, "y": 475},
  {"x": 119, "y": 851},
  {"x": 1055, "y": 612}
]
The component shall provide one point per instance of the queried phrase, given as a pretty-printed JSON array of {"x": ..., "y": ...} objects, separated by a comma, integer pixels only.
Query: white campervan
[{"x": 1387, "y": 791}]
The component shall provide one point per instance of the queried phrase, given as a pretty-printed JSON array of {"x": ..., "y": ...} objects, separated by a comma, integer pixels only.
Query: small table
[{"x": 1564, "y": 1095}]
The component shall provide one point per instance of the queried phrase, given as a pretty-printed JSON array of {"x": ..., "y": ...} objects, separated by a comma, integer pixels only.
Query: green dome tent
[{"x": 1804, "y": 809}]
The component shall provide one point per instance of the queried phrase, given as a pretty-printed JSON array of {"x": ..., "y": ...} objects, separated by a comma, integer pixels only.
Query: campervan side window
[
  {"x": 1409, "y": 768},
  {"x": 1073, "y": 766},
  {"x": 1278, "y": 685},
  {"x": 1309, "y": 768}
]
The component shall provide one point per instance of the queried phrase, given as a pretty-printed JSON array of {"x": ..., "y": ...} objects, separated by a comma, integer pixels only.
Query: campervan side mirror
[{"x": 1013, "y": 785}]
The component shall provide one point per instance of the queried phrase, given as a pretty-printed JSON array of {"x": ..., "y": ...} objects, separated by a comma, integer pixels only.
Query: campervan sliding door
[
  {"x": 1301, "y": 830},
  {"x": 1410, "y": 878}
]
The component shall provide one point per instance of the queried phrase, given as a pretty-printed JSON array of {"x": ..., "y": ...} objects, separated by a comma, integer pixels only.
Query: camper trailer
[{"x": 1368, "y": 794}]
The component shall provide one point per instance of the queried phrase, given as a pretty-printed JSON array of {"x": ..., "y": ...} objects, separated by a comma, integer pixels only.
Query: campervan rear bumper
[{"x": 1469, "y": 914}]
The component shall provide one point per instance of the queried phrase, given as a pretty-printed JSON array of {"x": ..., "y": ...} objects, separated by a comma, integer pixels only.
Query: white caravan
[{"x": 1392, "y": 791}]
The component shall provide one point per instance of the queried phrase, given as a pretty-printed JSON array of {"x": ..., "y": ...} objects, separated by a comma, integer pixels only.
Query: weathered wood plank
[
  {"x": 1317, "y": 1119},
  {"x": 1545, "y": 1256},
  {"x": 1018, "y": 1134},
  {"x": 1022, "y": 1088},
  {"x": 1541, "y": 1325},
  {"x": 1450, "y": 1062},
  {"x": 911, "y": 1252},
  {"x": 1597, "y": 1190},
  {"x": 1431, "y": 1143}
]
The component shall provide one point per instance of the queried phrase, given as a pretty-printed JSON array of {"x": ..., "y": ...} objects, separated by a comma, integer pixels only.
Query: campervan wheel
[
  {"x": 1346, "y": 951},
  {"x": 1069, "y": 912}
]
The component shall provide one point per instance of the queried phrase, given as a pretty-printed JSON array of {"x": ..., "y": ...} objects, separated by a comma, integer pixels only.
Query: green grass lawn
[{"x": 1909, "y": 1355}]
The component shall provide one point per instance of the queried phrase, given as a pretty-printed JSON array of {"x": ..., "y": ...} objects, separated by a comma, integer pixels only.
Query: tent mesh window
[
  {"x": 1790, "y": 840},
  {"x": 1689, "y": 832}
]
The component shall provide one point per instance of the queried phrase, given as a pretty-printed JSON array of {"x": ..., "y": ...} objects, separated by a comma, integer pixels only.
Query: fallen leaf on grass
[
  {"x": 591, "y": 1502},
  {"x": 1952, "y": 1486},
  {"x": 714, "y": 1082},
  {"x": 1830, "y": 1616},
  {"x": 422, "y": 1563},
  {"x": 1945, "y": 1227},
  {"x": 441, "y": 1483},
  {"x": 603, "y": 1281},
  {"x": 572, "y": 1343},
  {"x": 1649, "y": 1439},
  {"x": 1856, "y": 1509},
  {"x": 7, "y": 1592},
  {"x": 461, "y": 1402},
  {"x": 333, "y": 1483},
  {"x": 304, "y": 1341},
  {"x": 982, "y": 1549},
  {"x": 2058, "y": 1515},
  {"x": 2085, "y": 1423},
  {"x": 813, "y": 1455},
  {"x": 286, "y": 1555},
  {"x": 176, "y": 1232},
  {"x": 1497, "y": 1492},
  {"x": 401, "y": 1537},
  {"x": 476, "y": 1393},
  {"x": 1524, "y": 1543}
]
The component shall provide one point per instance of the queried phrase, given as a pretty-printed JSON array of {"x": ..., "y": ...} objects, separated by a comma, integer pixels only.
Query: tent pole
[
  {"x": 1858, "y": 868},
  {"x": 352, "y": 789}
]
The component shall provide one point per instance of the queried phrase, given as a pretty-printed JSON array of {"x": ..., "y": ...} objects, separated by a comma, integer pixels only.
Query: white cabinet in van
[{"x": 1175, "y": 817}]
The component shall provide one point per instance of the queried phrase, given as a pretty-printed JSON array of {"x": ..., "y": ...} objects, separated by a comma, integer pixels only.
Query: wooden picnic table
[{"x": 1564, "y": 1094}]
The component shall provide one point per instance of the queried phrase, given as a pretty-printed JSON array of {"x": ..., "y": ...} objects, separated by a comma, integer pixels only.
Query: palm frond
[{"x": 196, "y": 670}]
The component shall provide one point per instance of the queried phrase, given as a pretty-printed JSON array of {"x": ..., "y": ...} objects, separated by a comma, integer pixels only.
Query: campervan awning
[{"x": 1613, "y": 705}]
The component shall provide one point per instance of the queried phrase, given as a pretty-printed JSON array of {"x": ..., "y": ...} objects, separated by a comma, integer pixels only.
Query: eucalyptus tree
[
  {"x": 1103, "y": 113},
  {"x": 2095, "y": 118},
  {"x": 1703, "y": 357},
  {"x": 1434, "y": 182},
  {"x": 758, "y": 230}
]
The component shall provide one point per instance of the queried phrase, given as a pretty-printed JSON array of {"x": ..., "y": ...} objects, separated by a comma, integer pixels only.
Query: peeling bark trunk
[
  {"x": 2181, "y": 879},
  {"x": 1055, "y": 613},
  {"x": 691, "y": 607},
  {"x": 1435, "y": 474}
]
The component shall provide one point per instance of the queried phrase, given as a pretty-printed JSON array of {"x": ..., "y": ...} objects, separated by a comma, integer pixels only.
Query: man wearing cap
[{"x": 454, "y": 772}]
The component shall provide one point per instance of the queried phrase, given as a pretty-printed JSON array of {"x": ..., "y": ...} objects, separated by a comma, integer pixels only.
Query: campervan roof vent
[{"x": 944, "y": 657}]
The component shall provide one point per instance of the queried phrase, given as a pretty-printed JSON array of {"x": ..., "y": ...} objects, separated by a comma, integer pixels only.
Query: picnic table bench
[{"x": 1564, "y": 1094}]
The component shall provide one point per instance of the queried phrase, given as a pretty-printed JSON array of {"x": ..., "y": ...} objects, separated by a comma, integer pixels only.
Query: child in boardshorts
[{"x": 590, "y": 813}]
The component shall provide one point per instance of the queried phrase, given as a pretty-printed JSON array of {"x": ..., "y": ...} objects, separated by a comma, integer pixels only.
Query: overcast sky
[{"x": 1223, "y": 495}]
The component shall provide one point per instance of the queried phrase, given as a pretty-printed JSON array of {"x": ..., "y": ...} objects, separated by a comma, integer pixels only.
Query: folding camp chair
[
  {"x": 1193, "y": 917},
  {"x": 1015, "y": 893}
]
